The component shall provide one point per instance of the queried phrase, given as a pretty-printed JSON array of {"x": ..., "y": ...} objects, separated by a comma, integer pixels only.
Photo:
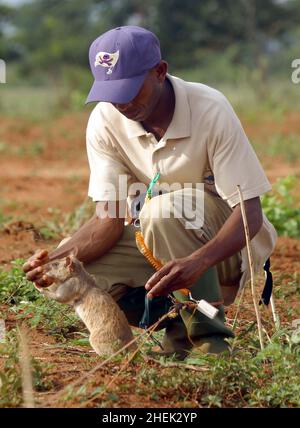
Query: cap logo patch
[{"x": 106, "y": 59}]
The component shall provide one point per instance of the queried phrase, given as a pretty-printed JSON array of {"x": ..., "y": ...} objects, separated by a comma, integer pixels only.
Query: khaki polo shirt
[{"x": 204, "y": 143}]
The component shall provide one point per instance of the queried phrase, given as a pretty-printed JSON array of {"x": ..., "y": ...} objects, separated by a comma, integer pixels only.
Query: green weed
[
  {"x": 4, "y": 147},
  {"x": 4, "y": 219},
  {"x": 281, "y": 207},
  {"x": 248, "y": 378},
  {"x": 65, "y": 224},
  {"x": 287, "y": 285},
  {"x": 285, "y": 146},
  {"x": 10, "y": 375},
  {"x": 14, "y": 286},
  {"x": 28, "y": 303},
  {"x": 33, "y": 149}
]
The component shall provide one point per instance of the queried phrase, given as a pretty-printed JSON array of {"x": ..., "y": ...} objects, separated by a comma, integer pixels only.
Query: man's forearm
[
  {"x": 92, "y": 240},
  {"x": 183, "y": 272},
  {"x": 231, "y": 237}
]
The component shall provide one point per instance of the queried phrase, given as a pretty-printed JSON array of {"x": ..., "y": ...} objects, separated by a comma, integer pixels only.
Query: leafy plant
[
  {"x": 286, "y": 146},
  {"x": 247, "y": 378},
  {"x": 52, "y": 317},
  {"x": 62, "y": 224},
  {"x": 3, "y": 219},
  {"x": 281, "y": 207},
  {"x": 28, "y": 303},
  {"x": 15, "y": 287},
  {"x": 10, "y": 376}
]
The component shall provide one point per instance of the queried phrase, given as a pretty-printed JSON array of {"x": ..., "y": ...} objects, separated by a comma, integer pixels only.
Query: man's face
[{"x": 142, "y": 106}]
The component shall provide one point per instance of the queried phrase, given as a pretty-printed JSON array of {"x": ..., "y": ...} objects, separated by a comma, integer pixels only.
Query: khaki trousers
[
  {"x": 124, "y": 266},
  {"x": 169, "y": 235}
]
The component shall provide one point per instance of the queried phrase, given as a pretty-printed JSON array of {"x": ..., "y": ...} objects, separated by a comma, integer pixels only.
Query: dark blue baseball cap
[{"x": 120, "y": 60}]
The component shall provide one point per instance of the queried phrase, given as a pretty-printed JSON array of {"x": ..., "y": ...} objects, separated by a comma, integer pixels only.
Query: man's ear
[{"x": 161, "y": 70}]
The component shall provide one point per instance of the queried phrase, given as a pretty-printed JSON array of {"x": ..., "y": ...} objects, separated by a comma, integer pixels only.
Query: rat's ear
[{"x": 70, "y": 262}]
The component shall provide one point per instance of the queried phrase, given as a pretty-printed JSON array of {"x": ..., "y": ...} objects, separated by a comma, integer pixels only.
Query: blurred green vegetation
[
  {"x": 286, "y": 147},
  {"x": 50, "y": 101},
  {"x": 241, "y": 43},
  {"x": 50, "y": 33},
  {"x": 281, "y": 207}
]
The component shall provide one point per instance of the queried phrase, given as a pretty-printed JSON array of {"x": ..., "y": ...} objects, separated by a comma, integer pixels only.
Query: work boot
[
  {"x": 191, "y": 328},
  {"x": 175, "y": 341},
  {"x": 207, "y": 335}
]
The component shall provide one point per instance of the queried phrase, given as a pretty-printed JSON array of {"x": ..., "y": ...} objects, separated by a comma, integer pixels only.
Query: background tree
[
  {"x": 51, "y": 35},
  {"x": 6, "y": 14}
]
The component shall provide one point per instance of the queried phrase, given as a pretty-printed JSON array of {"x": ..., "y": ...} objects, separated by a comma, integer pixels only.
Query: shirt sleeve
[
  {"x": 109, "y": 176},
  {"x": 232, "y": 158}
]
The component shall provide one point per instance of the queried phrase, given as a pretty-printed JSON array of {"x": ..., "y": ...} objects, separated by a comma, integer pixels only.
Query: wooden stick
[
  {"x": 250, "y": 259},
  {"x": 274, "y": 312},
  {"x": 26, "y": 375}
]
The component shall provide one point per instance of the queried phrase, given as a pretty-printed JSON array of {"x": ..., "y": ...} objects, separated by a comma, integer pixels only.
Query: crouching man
[{"x": 151, "y": 127}]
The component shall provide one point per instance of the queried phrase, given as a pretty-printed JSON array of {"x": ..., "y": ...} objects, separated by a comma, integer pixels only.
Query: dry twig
[
  {"x": 250, "y": 258},
  {"x": 26, "y": 375},
  {"x": 274, "y": 313}
]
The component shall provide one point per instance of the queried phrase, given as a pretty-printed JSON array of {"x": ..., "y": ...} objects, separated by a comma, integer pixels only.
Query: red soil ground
[{"x": 44, "y": 167}]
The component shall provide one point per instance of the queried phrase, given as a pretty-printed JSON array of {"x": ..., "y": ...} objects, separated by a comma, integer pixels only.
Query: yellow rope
[
  {"x": 157, "y": 264},
  {"x": 146, "y": 252}
]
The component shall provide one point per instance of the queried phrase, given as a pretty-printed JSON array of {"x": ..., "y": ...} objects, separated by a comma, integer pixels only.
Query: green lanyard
[{"x": 150, "y": 187}]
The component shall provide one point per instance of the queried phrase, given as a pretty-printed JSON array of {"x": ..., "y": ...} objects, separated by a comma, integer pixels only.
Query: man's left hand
[{"x": 176, "y": 274}]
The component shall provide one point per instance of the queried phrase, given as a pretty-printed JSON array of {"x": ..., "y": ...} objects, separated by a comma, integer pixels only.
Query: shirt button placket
[{"x": 157, "y": 166}]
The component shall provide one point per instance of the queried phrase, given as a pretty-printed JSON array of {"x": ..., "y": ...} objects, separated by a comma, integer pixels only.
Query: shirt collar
[
  {"x": 133, "y": 129},
  {"x": 180, "y": 126}
]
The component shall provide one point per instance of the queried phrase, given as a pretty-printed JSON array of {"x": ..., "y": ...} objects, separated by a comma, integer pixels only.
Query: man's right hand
[
  {"x": 35, "y": 271},
  {"x": 84, "y": 244}
]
